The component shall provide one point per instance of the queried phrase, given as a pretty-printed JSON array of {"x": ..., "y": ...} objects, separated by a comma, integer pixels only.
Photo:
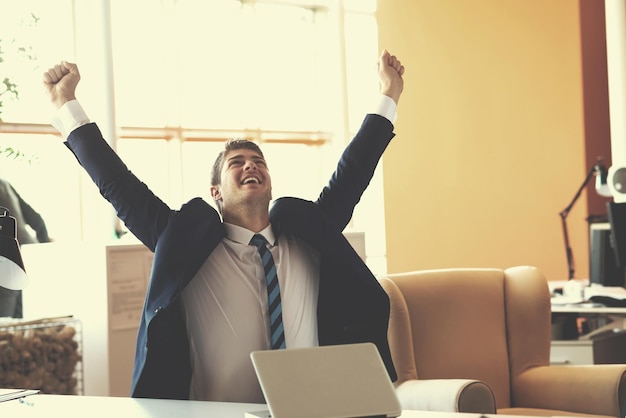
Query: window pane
[
  {"x": 47, "y": 179},
  {"x": 214, "y": 53},
  {"x": 145, "y": 86},
  {"x": 361, "y": 57},
  {"x": 34, "y": 35},
  {"x": 368, "y": 6},
  {"x": 284, "y": 84},
  {"x": 221, "y": 64}
]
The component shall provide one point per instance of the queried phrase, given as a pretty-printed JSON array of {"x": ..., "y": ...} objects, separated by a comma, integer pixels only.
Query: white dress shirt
[{"x": 227, "y": 313}]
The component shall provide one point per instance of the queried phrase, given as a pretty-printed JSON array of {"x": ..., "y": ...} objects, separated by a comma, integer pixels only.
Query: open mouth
[{"x": 251, "y": 180}]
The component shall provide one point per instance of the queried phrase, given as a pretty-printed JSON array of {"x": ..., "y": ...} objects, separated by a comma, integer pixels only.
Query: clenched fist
[
  {"x": 61, "y": 81},
  {"x": 390, "y": 72}
]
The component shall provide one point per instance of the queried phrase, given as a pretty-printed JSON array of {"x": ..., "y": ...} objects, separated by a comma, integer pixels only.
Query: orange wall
[{"x": 490, "y": 142}]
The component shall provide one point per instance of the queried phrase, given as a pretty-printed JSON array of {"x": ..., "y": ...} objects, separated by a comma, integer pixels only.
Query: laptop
[{"x": 338, "y": 381}]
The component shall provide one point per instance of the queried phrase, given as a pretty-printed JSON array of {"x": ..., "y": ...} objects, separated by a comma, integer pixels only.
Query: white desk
[
  {"x": 604, "y": 342},
  {"x": 573, "y": 308},
  {"x": 617, "y": 316},
  {"x": 69, "y": 406}
]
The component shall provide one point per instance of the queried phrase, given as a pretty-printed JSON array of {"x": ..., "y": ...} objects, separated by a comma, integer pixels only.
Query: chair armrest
[
  {"x": 598, "y": 389},
  {"x": 446, "y": 395}
]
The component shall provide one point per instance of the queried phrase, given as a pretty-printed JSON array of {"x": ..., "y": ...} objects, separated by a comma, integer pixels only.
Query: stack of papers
[
  {"x": 591, "y": 295},
  {"x": 10, "y": 394},
  {"x": 566, "y": 300},
  {"x": 615, "y": 292}
]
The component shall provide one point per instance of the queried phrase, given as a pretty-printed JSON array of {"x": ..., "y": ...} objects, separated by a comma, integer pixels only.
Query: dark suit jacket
[
  {"x": 352, "y": 306},
  {"x": 24, "y": 215}
]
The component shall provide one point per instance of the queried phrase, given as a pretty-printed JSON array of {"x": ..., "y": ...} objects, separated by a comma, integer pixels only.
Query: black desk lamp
[
  {"x": 602, "y": 188},
  {"x": 12, "y": 273}
]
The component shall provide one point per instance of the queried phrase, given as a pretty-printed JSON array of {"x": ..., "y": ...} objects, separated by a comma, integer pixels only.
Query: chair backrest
[{"x": 484, "y": 324}]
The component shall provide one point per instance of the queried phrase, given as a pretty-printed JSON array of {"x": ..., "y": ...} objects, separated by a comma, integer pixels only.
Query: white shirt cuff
[
  {"x": 69, "y": 117},
  {"x": 387, "y": 108}
]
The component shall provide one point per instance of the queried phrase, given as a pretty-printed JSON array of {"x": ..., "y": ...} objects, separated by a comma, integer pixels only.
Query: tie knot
[{"x": 258, "y": 240}]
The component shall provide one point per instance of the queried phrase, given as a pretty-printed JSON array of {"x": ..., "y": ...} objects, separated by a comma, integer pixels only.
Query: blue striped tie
[{"x": 273, "y": 292}]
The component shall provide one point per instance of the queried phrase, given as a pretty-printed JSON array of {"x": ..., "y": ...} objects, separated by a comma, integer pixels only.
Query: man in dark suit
[
  {"x": 206, "y": 308},
  {"x": 25, "y": 215}
]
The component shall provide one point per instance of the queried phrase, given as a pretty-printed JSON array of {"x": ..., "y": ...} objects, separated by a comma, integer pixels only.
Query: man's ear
[{"x": 215, "y": 193}]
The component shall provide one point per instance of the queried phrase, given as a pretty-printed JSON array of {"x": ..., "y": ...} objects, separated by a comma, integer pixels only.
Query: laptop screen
[{"x": 339, "y": 381}]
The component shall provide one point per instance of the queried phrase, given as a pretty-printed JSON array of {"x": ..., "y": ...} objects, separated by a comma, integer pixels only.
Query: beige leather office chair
[{"x": 491, "y": 326}]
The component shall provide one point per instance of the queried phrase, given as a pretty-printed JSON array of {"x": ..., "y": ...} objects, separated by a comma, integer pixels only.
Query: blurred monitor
[
  {"x": 603, "y": 267},
  {"x": 608, "y": 249}
]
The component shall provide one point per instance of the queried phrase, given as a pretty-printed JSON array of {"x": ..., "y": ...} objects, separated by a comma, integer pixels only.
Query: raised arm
[
  {"x": 145, "y": 215},
  {"x": 360, "y": 158},
  {"x": 60, "y": 82}
]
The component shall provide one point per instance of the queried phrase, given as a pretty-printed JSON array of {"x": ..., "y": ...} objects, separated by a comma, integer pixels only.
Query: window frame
[{"x": 103, "y": 110}]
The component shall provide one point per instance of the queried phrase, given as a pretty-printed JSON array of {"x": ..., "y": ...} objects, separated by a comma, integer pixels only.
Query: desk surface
[
  {"x": 69, "y": 406},
  {"x": 573, "y": 308}
]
